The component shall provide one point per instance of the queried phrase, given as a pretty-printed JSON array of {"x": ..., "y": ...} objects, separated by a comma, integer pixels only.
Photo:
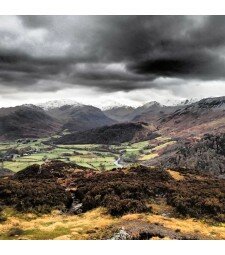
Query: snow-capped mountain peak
[
  {"x": 109, "y": 105},
  {"x": 150, "y": 104},
  {"x": 59, "y": 103},
  {"x": 180, "y": 102}
]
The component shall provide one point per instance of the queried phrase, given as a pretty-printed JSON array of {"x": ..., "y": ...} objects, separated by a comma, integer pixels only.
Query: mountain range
[{"x": 190, "y": 117}]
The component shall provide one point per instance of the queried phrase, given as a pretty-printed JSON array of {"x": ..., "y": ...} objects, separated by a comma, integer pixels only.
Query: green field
[{"x": 95, "y": 156}]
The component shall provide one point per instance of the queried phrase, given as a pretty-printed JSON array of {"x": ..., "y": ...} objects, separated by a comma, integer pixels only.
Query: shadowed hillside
[
  {"x": 26, "y": 121},
  {"x": 115, "y": 134},
  {"x": 79, "y": 118}
]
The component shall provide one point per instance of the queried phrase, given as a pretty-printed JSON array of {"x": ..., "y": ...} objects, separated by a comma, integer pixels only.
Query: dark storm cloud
[
  {"x": 197, "y": 65},
  {"x": 111, "y": 52},
  {"x": 22, "y": 70}
]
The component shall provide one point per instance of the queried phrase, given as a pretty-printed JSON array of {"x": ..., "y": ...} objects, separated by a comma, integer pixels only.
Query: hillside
[
  {"x": 204, "y": 156},
  {"x": 152, "y": 112},
  {"x": 115, "y": 134},
  {"x": 149, "y": 112},
  {"x": 135, "y": 203},
  {"x": 79, "y": 117},
  {"x": 30, "y": 121},
  {"x": 26, "y": 121},
  {"x": 204, "y": 116},
  {"x": 120, "y": 113}
]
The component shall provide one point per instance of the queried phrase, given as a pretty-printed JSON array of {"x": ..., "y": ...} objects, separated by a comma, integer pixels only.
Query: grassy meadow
[
  {"x": 95, "y": 224},
  {"x": 96, "y": 156}
]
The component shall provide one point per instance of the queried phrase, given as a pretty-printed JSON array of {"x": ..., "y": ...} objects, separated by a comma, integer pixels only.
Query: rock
[
  {"x": 121, "y": 235},
  {"x": 76, "y": 208},
  {"x": 141, "y": 230}
]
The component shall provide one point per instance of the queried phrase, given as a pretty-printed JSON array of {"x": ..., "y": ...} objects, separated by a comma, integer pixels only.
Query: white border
[
  {"x": 111, "y": 247},
  {"x": 116, "y": 7},
  {"x": 113, "y": 7}
]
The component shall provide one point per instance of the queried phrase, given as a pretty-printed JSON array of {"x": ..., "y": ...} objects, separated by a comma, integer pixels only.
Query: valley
[{"x": 96, "y": 156}]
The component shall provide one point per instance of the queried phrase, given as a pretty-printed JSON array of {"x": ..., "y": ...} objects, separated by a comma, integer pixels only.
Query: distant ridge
[
  {"x": 58, "y": 103},
  {"x": 43, "y": 120}
]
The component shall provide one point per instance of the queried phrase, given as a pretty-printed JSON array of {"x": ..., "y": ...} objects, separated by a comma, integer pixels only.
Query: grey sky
[{"x": 97, "y": 59}]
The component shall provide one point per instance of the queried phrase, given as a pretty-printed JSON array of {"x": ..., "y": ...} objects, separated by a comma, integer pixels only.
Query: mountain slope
[
  {"x": 120, "y": 113},
  {"x": 80, "y": 117},
  {"x": 149, "y": 112},
  {"x": 26, "y": 121},
  {"x": 152, "y": 112},
  {"x": 204, "y": 156},
  {"x": 206, "y": 115},
  {"x": 115, "y": 134}
]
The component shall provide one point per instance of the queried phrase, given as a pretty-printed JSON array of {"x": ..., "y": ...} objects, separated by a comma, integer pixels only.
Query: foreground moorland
[{"x": 59, "y": 200}]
